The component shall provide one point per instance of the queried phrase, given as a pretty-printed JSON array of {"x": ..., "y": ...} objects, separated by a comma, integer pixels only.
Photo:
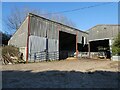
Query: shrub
[{"x": 116, "y": 45}]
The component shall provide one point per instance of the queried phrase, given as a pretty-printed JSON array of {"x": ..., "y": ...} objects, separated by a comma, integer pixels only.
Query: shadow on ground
[{"x": 59, "y": 79}]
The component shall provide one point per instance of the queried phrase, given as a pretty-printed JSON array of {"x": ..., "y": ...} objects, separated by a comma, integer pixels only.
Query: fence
[{"x": 44, "y": 56}]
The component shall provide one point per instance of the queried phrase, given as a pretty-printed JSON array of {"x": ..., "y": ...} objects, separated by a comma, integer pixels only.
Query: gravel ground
[{"x": 70, "y": 73}]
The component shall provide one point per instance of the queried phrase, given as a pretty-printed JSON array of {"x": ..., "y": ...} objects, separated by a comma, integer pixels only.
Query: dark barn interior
[
  {"x": 82, "y": 47},
  {"x": 100, "y": 46},
  {"x": 67, "y": 45}
]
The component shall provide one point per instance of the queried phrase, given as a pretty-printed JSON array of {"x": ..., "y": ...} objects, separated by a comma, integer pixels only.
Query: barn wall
[
  {"x": 80, "y": 35},
  {"x": 52, "y": 45},
  {"x": 103, "y": 31},
  {"x": 53, "y": 49},
  {"x": 19, "y": 39},
  {"x": 68, "y": 30},
  {"x": 23, "y": 50},
  {"x": 41, "y": 26},
  {"x": 36, "y": 44},
  {"x": 45, "y": 28},
  {"x": 40, "y": 31}
]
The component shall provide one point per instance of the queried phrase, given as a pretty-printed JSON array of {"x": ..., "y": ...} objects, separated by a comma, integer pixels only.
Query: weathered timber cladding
[{"x": 43, "y": 27}]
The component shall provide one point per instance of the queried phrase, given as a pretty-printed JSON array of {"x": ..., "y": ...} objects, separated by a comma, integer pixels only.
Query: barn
[
  {"x": 101, "y": 38},
  {"x": 39, "y": 38}
]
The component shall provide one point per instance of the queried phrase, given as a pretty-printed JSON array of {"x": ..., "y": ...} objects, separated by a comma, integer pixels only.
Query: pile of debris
[{"x": 11, "y": 55}]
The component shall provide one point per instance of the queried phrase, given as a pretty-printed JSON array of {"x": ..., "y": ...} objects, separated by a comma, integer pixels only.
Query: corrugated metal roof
[
  {"x": 103, "y": 31},
  {"x": 104, "y": 25}
]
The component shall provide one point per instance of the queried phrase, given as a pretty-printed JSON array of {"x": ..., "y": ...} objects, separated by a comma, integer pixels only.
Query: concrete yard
[{"x": 70, "y": 73}]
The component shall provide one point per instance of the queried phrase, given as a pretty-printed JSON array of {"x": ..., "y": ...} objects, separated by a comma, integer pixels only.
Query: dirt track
[{"x": 62, "y": 74}]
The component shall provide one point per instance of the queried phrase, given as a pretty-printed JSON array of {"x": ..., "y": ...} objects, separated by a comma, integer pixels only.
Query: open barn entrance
[
  {"x": 101, "y": 46},
  {"x": 67, "y": 45}
]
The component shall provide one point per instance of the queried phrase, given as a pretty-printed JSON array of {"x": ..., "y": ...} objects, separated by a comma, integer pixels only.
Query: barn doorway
[
  {"x": 101, "y": 46},
  {"x": 67, "y": 45}
]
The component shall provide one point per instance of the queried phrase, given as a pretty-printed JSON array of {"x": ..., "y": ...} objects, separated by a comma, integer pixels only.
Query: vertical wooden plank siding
[{"x": 58, "y": 37}]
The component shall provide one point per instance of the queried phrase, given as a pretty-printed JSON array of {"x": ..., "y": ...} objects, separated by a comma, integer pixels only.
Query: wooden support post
[
  {"x": 89, "y": 49},
  {"x": 27, "y": 49},
  {"x": 76, "y": 45},
  {"x": 110, "y": 46}
]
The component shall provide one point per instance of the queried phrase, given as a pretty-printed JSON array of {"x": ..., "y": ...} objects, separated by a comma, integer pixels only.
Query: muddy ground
[{"x": 70, "y": 73}]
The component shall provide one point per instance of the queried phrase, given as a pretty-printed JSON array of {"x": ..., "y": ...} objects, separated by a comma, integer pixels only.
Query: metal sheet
[
  {"x": 37, "y": 44},
  {"x": 52, "y": 45},
  {"x": 37, "y": 48},
  {"x": 103, "y": 31},
  {"x": 53, "y": 50}
]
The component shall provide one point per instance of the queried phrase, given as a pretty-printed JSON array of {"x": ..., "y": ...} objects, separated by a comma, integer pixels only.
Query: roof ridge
[
  {"x": 104, "y": 25},
  {"x": 57, "y": 22}
]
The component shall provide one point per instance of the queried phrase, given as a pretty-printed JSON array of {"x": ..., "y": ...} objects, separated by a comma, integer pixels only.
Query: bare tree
[
  {"x": 17, "y": 15},
  {"x": 62, "y": 19}
]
